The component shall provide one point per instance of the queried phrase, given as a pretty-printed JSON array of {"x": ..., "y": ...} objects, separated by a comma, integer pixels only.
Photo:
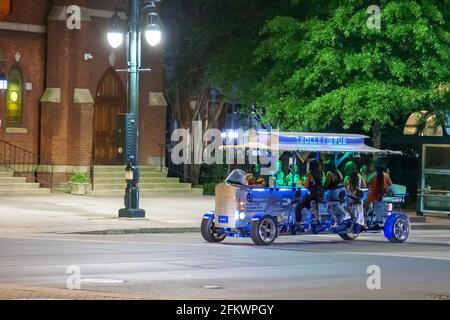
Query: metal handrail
[
  {"x": 91, "y": 174},
  {"x": 161, "y": 155},
  {"x": 22, "y": 161}
]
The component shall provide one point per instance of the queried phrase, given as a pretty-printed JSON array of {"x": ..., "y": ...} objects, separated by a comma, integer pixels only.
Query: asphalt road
[{"x": 182, "y": 266}]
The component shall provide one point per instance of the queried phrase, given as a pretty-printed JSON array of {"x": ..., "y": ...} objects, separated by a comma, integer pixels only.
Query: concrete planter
[{"x": 78, "y": 188}]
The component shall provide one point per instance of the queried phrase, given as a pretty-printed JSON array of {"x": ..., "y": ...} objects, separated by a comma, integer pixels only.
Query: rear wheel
[
  {"x": 209, "y": 232},
  {"x": 400, "y": 230},
  {"x": 264, "y": 231}
]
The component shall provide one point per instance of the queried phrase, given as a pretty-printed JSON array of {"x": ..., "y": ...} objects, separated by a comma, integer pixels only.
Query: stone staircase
[
  {"x": 110, "y": 180},
  {"x": 12, "y": 186}
]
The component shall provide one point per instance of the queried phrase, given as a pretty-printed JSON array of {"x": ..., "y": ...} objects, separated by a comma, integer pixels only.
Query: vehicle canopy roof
[{"x": 310, "y": 142}]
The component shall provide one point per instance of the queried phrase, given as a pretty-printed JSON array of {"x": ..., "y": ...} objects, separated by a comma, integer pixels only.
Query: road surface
[{"x": 183, "y": 266}]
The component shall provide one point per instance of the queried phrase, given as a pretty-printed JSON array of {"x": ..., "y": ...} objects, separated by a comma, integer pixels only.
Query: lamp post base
[{"x": 131, "y": 213}]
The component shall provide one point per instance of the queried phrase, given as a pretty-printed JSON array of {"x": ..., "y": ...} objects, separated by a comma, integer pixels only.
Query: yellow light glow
[{"x": 14, "y": 96}]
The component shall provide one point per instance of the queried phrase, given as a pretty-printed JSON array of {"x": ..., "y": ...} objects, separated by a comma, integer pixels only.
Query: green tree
[
  {"x": 211, "y": 45},
  {"x": 327, "y": 66},
  {"x": 316, "y": 65}
]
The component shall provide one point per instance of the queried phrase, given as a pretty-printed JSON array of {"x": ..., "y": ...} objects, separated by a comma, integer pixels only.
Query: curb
[
  {"x": 139, "y": 231},
  {"x": 416, "y": 219},
  {"x": 414, "y": 226},
  {"x": 425, "y": 226}
]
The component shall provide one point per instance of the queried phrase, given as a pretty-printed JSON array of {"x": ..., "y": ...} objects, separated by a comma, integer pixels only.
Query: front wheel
[
  {"x": 209, "y": 232},
  {"x": 399, "y": 230},
  {"x": 264, "y": 231}
]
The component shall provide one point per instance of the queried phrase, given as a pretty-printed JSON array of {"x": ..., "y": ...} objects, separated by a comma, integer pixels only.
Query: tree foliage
[
  {"x": 312, "y": 65},
  {"x": 331, "y": 67}
]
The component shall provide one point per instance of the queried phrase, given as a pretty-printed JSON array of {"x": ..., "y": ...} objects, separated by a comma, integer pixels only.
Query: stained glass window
[{"x": 14, "y": 105}]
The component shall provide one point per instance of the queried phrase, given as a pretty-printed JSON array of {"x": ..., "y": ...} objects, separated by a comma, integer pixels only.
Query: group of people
[{"x": 331, "y": 180}]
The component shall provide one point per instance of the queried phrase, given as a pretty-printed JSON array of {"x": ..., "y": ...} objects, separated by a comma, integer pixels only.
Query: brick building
[{"x": 67, "y": 96}]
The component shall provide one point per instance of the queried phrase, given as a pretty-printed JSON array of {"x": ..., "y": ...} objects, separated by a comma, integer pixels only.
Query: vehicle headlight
[
  {"x": 241, "y": 205},
  {"x": 389, "y": 207},
  {"x": 242, "y": 216}
]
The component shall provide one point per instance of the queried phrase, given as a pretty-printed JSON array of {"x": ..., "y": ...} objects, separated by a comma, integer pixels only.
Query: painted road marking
[{"x": 102, "y": 281}]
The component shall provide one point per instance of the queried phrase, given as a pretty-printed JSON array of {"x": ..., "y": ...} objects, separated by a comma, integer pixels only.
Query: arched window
[{"x": 14, "y": 104}]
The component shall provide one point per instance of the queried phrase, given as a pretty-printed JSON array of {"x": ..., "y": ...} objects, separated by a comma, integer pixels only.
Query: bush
[
  {"x": 78, "y": 177},
  {"x": 208, "y": 188},
  {"x": 210, "y": 176}
]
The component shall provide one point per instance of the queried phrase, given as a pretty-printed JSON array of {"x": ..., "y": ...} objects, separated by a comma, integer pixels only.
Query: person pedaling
[
  {"x": 332, "y": 184},
  {"x": 378, "y": 184},
  {"x": 333, "y": 177},
  {"x": 315, "y": 191},
  {"x": 354, "y": 184}
]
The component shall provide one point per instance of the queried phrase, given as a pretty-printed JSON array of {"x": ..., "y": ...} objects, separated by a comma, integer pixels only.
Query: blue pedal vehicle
[{"x": 264, "y": 213}]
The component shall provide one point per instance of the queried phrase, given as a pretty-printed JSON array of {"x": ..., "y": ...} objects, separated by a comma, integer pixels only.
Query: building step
[
  {"x": 121, "y": 175},
  {"x": 24, "y": 192},
  {"x": 143, "y": 186},
  {"x": 110, "y": 180},
  {"x": 6, "y": 174},
  {"x": 18, "y": 186},
  {"x": 8, "y": 180},
  {"x": 151, "y": 192},
  {"x": 114, "y": 180}
]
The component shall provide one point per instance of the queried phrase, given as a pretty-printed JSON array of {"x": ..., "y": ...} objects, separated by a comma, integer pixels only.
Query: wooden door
[{"x": 110, "y": 106}]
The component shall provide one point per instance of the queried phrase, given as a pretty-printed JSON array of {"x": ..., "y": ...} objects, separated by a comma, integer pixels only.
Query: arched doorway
[{"x": 109, "y": 107}]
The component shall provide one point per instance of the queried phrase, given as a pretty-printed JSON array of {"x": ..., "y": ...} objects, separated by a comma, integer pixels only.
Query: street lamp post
[
  {"x": 153, "y": 36},
  {"x": 3, "y": 79}
]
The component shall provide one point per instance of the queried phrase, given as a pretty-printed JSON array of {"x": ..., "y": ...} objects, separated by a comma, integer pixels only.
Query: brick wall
[
  {"x": 31, "y": 47},
  {"x": 56, "y": 60},
  {"x": 29, "y": 11}
]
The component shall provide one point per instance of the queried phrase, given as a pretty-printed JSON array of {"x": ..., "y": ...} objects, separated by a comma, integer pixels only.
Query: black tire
[
  {"x": 264, "y": 231},
  {"x": 401, "y": 230},
  {"x": 208, "y": 231},
  {"x": 349, "y": 236}
]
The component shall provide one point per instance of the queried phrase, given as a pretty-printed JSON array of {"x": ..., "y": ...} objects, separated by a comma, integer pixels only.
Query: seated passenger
[
  {"x": 254, "y": 178},
  {"x": 364, "y": 172},
  {"x": 279, "y": 175}
]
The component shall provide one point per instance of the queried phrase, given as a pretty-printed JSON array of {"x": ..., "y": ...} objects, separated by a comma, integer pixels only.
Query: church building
[{"x": 67, "y": 87}]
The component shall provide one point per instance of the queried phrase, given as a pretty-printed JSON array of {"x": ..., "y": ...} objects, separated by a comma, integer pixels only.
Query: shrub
[
  {"x": 210, "y": 176},
  {"x": 78, "y": 177},
  {"x": 208, "y": 188}
]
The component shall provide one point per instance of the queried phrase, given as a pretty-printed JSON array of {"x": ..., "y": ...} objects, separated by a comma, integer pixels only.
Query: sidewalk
[
  {"x": 437, "y": 222},
  {"x": 65, "y": 214}
]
